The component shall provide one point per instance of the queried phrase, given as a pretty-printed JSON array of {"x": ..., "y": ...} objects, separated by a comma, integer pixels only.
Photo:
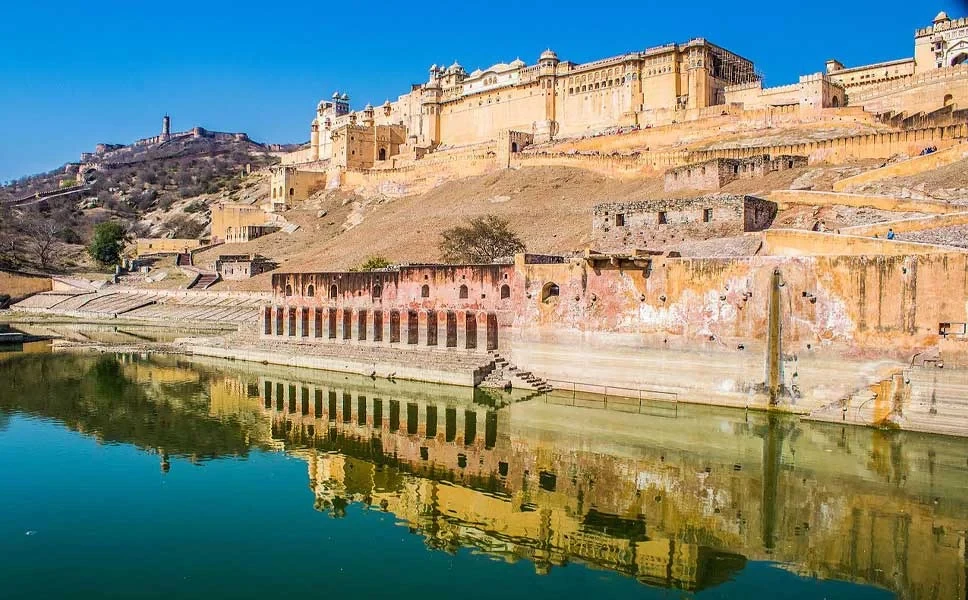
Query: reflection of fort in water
[
  {"x": 679, "y": 502},
  {"x": 682, "y": 501}
]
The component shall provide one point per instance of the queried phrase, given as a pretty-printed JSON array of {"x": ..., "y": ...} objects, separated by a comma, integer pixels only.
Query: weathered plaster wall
[{"x": 165, "y": 245}]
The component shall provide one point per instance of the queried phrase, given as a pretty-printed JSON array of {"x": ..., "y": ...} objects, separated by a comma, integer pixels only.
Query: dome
[
  {"x": 548, "y": 54},
  {"x": 335, "y": 96},
  {"x": 321, "y": 105},
  {"x": 433, "y": 67},
  {"x": 386, "y": 103},
  {"x": 517, "y": 63},
  {"x": 368, "y": 106},
  {"x": 942, "y": 16},
  {"x": 344, "y": 97},
  {"x": 476, "y": 72},
  {"x": 455, "y": 68}
]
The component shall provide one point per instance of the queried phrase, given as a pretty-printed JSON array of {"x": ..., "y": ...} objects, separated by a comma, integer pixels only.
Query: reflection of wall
[{"x": 673, "y": 502}]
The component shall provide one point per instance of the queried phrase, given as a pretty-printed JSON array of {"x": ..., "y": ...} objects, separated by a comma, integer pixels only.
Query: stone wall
[
  {"x": 652, "y": 223},
  {"x": 165, "y": 246},
  {"x": 714, "y": 174}
]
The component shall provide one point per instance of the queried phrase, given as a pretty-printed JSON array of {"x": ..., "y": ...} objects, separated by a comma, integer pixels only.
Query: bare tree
[{"x": 40, "y": 235}]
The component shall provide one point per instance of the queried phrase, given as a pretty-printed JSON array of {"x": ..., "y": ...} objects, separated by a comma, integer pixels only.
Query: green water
[{"x": 131, "y": 477}]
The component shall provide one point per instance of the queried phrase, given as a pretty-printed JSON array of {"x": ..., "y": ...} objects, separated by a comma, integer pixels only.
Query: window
[
  {"x": 292, "y": 191},
  {"x": 377, "y": 291},
  {"x": 288, "y": 290},
  {"x": 463, "y": 292},
  {"x": 662, "y": 217},
  {"x": 311, "y": 290},
  {"x": 425, "y": 291},
  {"x": 707, "y": 215},
  {"x": 333, "y": 291},
  {"x": 620, "y": 220},
  {"x": 505, "y": 291}
]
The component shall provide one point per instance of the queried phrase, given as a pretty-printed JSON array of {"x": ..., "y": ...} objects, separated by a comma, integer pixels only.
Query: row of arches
[
  {"x": 463, "y": 292},
  {"x": 449, "y": 328}
]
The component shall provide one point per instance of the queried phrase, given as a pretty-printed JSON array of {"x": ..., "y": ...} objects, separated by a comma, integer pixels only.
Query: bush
[
  {"x": 69, "y": 236},
  {"x": 196, "y": 206},
  {"x": 373, "y": 263}
]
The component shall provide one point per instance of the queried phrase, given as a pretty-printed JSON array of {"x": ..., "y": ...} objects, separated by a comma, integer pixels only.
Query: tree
[
  {"x": 108, "y": 243},
  {"x": 481, "y": 240},
  {"x": 373, "y": 263},
  {"x": 41, "y": 234}
]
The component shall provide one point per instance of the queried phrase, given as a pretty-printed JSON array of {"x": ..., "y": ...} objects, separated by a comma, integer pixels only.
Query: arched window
[
  {"x": 514, "y": 147},
  {"x": 463, "y": 292},
  {"x": 425, "y": 291},
  {"x": 288, "y": 290},
  {"x": 273, "y": 192},
  {"x": 383, "y": 154},
  {"x": 377, "y": 291},
  {"x": 835, "y": 101},
  {"x": 311, "y": 290},
  {"x": 292, "y": 191},
  {"x": 333, "y": 291},
  {"x": 549, "y": 291},
  {"x": 948, "y": 99},
  {"x": 505, "y": 291},
  {"x": 228, "y": 233}
]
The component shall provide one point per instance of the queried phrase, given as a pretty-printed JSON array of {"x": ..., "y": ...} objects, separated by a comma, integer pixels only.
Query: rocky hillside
[{"x": 160, "y": 191}]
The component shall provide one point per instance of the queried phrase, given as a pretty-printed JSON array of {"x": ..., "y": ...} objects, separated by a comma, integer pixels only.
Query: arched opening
[
  {"x": 549, "y": 291},
  {"x": 273, "y": 192},
  {"x": 288, "y": 290},
  {"x": 292, "y": 192},
  {"x": 959, "y": 59},
  {"x": 462, "y": 293},
  {"x": 331, "y": 324},
  {"x": 228, "y": 233},
  {"x": 394, "y": 326},
  {"x": 505, "y": 291},
  {"x": 948, "y": 99},
  {"x": 383, "y": 154},
  {"x": 514, "y": 147},
  {"x": 431, "y": 328},
  {"x": 425, "y": 291},
  {"x": 378, "y": 326},
  {"x": 451, "y": 329},
  {"x": 470, "y": 331},
  {"x": 835, "y": 101},
  {"x": 311, "y": 290},
  {"x": 491, "y": 331},
  {"x": 413, "y": 327},
  {"x": 333, "y": 291},
  {"x": 377, "y": 291}
]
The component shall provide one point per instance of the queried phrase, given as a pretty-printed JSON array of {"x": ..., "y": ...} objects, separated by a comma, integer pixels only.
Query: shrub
[
  {"x": 108, "y": 243},
  {"x": 481, "y": 240}
]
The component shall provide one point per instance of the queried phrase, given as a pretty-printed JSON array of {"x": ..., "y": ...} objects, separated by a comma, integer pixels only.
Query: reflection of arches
[
  {"x": 549, "y": 291},
  {"x": 333, "y": 291},
  {"x": 463, "y": 292},
  {"x": 948, "y": 99},
  {"x": 311, "y": 290},
  {"x": 959, "y": 59},
  {"x": 288, "y": 290},
  {"x": 835, "y": 102},
  {"x": 425, "y": 291},
  {"x": 505, "y": 291},
  {"x": 383, "y": 154}
]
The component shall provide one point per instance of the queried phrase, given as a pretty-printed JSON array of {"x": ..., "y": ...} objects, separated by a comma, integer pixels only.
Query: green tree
[
  {"x": 108, "y": 243},
  {"x": 481, "y": 240},
  {"x": 373, "y": 263}
]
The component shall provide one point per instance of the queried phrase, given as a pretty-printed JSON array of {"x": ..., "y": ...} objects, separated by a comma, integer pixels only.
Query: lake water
[{"x": 130, "y": 477}]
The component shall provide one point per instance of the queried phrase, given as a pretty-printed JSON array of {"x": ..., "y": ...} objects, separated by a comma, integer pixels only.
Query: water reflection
[{"x": 681, "y": 501}]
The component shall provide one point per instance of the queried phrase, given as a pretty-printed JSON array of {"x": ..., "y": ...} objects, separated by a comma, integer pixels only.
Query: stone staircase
[
  {"x": 204, "y": 281},
  {"x": 184, "y": 260},
  {"x": 506, "y": 375}
]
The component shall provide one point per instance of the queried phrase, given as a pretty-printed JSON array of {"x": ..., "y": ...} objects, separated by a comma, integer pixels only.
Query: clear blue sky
[{"x": 77, "y": 73}]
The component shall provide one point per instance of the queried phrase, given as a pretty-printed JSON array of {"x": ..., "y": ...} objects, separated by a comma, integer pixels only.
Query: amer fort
[{"x": 763, "y": 250}]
